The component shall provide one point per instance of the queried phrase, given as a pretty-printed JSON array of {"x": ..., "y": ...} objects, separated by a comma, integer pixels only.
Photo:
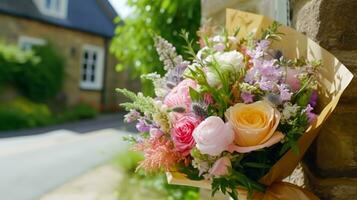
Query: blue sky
[{"x": 121, "y": 7}]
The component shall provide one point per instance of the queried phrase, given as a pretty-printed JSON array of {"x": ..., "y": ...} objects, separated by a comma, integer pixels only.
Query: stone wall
[
  {"x": 69, "y": 43},
  {"x": 332, "y": 161}
]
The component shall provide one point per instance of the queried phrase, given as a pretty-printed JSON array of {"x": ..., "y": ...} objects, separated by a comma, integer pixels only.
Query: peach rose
[{"x": 254, "y": 126}]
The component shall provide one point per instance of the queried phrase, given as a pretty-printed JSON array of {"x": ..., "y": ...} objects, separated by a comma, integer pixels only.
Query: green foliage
[
  {"x": 272, "y": 32},
  {"x": 42, "y": 81},
  {"x": 133, "y": 44},
  {"x": 22, "y": 113},
  {"x": 294, "y": 131},
  {"x": 235, "y": 179},
  {"x": 77, "y": 112},
  {"x": 139, "y": 102},
  {"x": 12, "y": 60},
  {"x": 148, "y": 187},
  {"x": 37, "y": 74},
  {"x": 128, "y": 161}
]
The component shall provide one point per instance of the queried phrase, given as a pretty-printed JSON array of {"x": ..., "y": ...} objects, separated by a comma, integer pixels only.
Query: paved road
[{"x": 32, "y": 165}]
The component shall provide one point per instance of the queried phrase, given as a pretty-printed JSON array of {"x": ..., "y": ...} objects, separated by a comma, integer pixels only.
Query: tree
[{"x": 133, "y": 42}]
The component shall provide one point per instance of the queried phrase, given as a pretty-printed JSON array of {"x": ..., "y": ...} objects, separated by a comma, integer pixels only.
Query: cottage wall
[{"x": 69, "y": 43}]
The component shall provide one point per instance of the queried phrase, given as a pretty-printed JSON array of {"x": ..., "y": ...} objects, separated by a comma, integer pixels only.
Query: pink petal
[{"x": 277, "y": 137}]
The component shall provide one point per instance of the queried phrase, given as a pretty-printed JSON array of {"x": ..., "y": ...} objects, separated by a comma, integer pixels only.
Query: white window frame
[
  {"x": 99, "y": 68},
  {"x": 282, "y": 11},
  {"x": 61, "y": 12},
  {"x": 33, "y": 41}
]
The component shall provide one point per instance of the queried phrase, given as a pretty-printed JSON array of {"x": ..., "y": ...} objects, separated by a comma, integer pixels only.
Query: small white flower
[
  {"x": 289, "y": 111},
  {"x": 212, "y": 78},
  {"x": 246, "y": 87},
  {"x": 218, "y": 39}
]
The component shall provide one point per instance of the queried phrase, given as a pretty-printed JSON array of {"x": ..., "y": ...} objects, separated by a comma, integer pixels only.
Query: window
[
  {"x": 26, "y": 43},
  {"x": 282, "y": 11},
  {"x": 92, "y": 67},
  {"x": 54, "y": 8}
]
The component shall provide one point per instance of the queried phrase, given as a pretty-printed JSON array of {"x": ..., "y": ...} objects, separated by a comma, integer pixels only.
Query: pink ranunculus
[
  {"x": 221, "y": 167},
  {"x": 292, "y": 79},
  {"x": 213, "y": 136},
  {"x": 180, "y": 95},
  {"x": 181, "y": 133}
]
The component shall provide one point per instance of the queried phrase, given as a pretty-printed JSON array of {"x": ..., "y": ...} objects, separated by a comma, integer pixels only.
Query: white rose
[{"x": 230, "y": 61}]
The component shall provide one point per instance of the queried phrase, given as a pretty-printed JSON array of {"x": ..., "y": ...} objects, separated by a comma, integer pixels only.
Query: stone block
[
  {"x": 305, "y": 17},
  {"x": 331, "y": 188},
  {"x": 336, "y": 152}
]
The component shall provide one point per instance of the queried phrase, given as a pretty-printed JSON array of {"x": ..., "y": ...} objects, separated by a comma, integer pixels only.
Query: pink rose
[
  {"x": 221, "y": 167},
  {"x": 180, "y": 95},
  {"x": 213, "y": 136},
  {"x": 181, "y": 133}
]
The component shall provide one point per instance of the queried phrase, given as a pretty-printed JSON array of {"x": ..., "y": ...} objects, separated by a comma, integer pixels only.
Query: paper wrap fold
[{"x": 334, "y": 77}]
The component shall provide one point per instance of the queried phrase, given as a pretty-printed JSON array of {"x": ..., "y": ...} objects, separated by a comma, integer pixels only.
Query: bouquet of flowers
[{"x": 235, "y": 114}]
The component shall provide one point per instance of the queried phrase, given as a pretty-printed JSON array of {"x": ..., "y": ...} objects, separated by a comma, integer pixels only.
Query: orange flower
[{"x": 254, "y": 125}]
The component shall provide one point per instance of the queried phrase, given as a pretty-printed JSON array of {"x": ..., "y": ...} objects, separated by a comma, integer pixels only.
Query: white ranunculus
[{"x": 230, "y": 61}]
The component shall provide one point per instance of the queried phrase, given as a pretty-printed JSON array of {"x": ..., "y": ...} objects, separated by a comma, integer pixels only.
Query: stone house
[
  {"x": 330, "y": 166},
  {"x": 81, "y": 31}
]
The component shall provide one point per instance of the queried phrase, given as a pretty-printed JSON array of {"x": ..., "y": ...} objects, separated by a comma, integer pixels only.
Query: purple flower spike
[
  {"x": 310, "y": 115},
  {"x": 285, "y": 94},
  {"x": 131, "y": 116},
  {"x": 313, "y": 98},
  {"x": 142, "y": 126}
]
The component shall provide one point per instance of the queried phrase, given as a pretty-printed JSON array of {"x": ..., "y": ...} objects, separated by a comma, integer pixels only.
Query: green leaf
[
  {"x": 119, "y": 67},
  {"x": 195, "y": 96},
  {"x": 256, "y": 165}
]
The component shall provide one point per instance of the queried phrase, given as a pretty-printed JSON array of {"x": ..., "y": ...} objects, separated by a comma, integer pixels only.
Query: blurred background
[{"x": 61, "y": 60}]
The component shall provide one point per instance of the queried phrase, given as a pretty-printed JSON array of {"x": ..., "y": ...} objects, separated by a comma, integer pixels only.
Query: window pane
[
  {"x": 84, "y": 77},
  {"x": 48, "y": 4},
  {"x": 86, "y": 55},
  {"x": 26, "y": 46},
  {"x": 57, "y": 4},
  {"x": 94, "y": 56},
  {"x": 92, "y": 78}
]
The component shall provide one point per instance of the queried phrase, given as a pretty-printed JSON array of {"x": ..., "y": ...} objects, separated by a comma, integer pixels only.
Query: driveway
[{"x": 32, "y": 165}]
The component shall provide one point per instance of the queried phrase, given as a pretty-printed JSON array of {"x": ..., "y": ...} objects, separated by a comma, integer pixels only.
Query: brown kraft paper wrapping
[{"x": 334, "y": 77}]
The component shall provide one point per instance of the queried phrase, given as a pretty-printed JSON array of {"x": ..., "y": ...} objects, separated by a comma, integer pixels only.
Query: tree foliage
[{"x": 133, "y": 43}]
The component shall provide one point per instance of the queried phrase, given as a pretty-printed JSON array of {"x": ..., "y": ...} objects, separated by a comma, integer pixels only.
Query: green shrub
[
  {"x": 77, "y": 112},
  {"x": 13, "y": 60},
  {"x": 22, "y": 113},
  {"x": 128, "y": 161},
  {"x": 43, "y": 80},
  {"x": 13, "y": 118},
  {"x": 37, "y": 74}
]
